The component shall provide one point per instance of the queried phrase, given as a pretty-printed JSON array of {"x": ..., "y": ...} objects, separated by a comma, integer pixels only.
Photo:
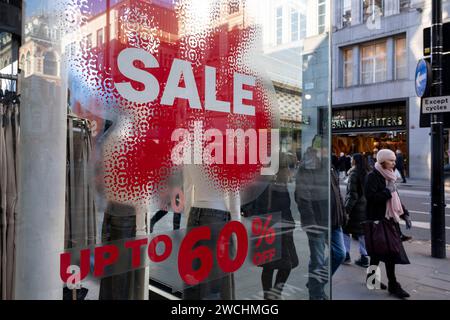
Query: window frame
[
  {"x": 279, "y": 25},
  {"x": 345, "y": 81},
  {"x": 295, "y": 30},
  {"x": 321, "y": 28},
  {"x": 346, "y": 23},
  {"x": 404, "y": 55},
  {"x": 371, "y": 4},
  {"x": 373, "y": 59}
]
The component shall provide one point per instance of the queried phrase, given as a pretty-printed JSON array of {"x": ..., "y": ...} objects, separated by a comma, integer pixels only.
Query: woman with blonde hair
[{"x": 384, "y": 212}]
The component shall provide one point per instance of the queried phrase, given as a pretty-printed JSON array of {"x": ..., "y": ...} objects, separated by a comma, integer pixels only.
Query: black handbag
[{"x": 382, "y": 238}]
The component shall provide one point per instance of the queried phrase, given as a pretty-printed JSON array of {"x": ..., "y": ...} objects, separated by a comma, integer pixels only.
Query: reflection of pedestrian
[
  {"x": 174, "y": 185},
  {"x": 311, "y": 195},
  {"x": 337, "y": 221},
  {"x": 356, "y": 206},
  {"x": 341, "y": 166},
  {"x": 348, "y": 164},
  {"x": 384, "y": 206},
  {"x": 399, "y": 165},
  {"x": 275, "y": 199}
]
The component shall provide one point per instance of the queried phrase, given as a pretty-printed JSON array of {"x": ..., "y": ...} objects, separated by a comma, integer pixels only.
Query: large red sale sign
[{"x": 191, "y": 94}]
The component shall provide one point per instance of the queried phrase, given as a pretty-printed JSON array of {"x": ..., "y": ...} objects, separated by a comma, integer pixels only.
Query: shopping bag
[{"x": 382, "y": 238}]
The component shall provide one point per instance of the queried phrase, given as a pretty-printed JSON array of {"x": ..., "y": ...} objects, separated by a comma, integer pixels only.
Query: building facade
[{"x": 376, "y": 46}]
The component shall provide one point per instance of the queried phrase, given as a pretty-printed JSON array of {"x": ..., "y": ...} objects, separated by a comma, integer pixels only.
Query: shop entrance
[{"x": 366, "y": 142}]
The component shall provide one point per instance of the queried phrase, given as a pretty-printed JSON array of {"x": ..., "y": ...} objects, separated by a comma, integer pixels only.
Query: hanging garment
[
  {"x": 80, "y": 222},
  {"x": 3, "y": 223},
  {"x": 9, "y": 138}
]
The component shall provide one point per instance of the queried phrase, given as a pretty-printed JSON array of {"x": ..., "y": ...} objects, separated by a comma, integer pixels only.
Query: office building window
[
  {"x": 302, "y": 26},
  {"x": 372, "y": 9},
  {"x": 99, "y": 37},
  {"x": 346, "y": 13},
  {"x": 321, "y": 15},
  {"x": 294, "y": 25},
  {"x": 233, "y": 6},
  {"x": 348, "y": 67},
  {"x": 373, "y": 63},
  {"x": 405, "y": 5},
  {"x": 400, "y": 58},
  {"x": 50, "y": 64},
  {"x": 279, "y": 25},
  {"x": 89, "y": 41}
]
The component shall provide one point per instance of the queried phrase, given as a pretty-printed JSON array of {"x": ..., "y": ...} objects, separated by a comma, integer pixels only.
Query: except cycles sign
[{"x": 436, "y": 104}]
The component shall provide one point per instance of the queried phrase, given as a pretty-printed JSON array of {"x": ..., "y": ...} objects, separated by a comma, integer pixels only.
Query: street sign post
[{"x": 438, "y": 248}]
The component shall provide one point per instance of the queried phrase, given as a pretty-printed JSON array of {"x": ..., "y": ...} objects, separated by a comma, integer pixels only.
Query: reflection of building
[
  {"x": 39, "y": 54},
  {"x": 9, "y": 48},
  {"x": 284, "y": 31},
  {"x": 376, "y": 45},
  {"x": 316, "y": 73},
  {"x": 10, "y": 32}
]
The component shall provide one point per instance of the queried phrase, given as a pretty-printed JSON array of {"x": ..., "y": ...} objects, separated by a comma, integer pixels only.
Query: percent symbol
[{"x": 263, "y": 230}]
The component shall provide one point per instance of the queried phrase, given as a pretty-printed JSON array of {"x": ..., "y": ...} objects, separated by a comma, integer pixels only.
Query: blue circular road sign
[{"x": 423, "y": 77}]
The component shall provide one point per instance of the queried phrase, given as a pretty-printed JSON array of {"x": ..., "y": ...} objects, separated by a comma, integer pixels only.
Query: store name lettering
[
  {"x": 367, "y": 123},
  {"x": 180, "y": 70}
]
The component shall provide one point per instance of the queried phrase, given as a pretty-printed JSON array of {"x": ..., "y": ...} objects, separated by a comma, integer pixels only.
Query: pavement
[{"x": 426, "y": 278}]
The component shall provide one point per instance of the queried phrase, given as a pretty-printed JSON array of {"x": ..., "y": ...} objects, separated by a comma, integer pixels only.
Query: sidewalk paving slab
[{"x": 426, "y": 278}]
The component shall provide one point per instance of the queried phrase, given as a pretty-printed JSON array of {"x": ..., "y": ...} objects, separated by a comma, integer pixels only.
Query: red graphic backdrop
[{"x": 136, "y": 167}]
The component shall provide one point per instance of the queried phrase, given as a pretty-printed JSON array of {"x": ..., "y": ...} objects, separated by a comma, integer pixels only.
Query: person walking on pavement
[
  {"x": 338, "y": 219},
  {"x": 341, "y": 166},
  {"x": 348, "y": 164},
  {"x": 356, "y": 206},
  {"x": 399, "y": 165},
  {"x": 385, "y": 210}
]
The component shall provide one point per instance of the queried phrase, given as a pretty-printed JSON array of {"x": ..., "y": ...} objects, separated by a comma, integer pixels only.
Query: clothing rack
[
  {"x": 9, "y": 142},
  {"x": 9, "y": 97}
]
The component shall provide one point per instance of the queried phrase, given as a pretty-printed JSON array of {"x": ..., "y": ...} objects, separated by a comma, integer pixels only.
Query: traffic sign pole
[{"x": 437, "y": 138}]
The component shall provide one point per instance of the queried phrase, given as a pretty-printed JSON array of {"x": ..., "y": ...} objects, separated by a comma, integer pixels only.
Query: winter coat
[
  {"x": 311, "y": 196},
  {"x": 377, "y": 196},
  {"x": 342, "y": 164},
  {"x": 355, "y": 204},
  {"x": 399, "y": 163},
  {"x": 338, "y": 217}
]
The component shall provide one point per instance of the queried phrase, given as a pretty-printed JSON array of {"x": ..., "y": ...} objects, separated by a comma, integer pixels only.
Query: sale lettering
[
  {"x": 161, "y": 247},
  {"x": 180, "y": 70}
]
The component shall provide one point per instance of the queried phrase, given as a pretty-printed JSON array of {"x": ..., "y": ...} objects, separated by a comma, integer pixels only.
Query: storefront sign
[
  {"x": 367, "y": 123},
  {"x": 436, "y": 104}
]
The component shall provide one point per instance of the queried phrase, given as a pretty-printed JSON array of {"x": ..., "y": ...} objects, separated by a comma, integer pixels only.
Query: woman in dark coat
[
  {"x": 275, "y": 199},
  {"x": 383, "y": 204},
  {"x": 356, "y": 206}
]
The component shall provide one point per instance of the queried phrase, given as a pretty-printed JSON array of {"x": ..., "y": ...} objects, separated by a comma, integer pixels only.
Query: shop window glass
[{"x": 166, "y": 143}]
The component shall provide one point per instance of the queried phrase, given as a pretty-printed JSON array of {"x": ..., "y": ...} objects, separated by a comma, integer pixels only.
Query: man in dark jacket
[
  {"x": 399, "y": 164},
  {"x": 311, "y": 196}
]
